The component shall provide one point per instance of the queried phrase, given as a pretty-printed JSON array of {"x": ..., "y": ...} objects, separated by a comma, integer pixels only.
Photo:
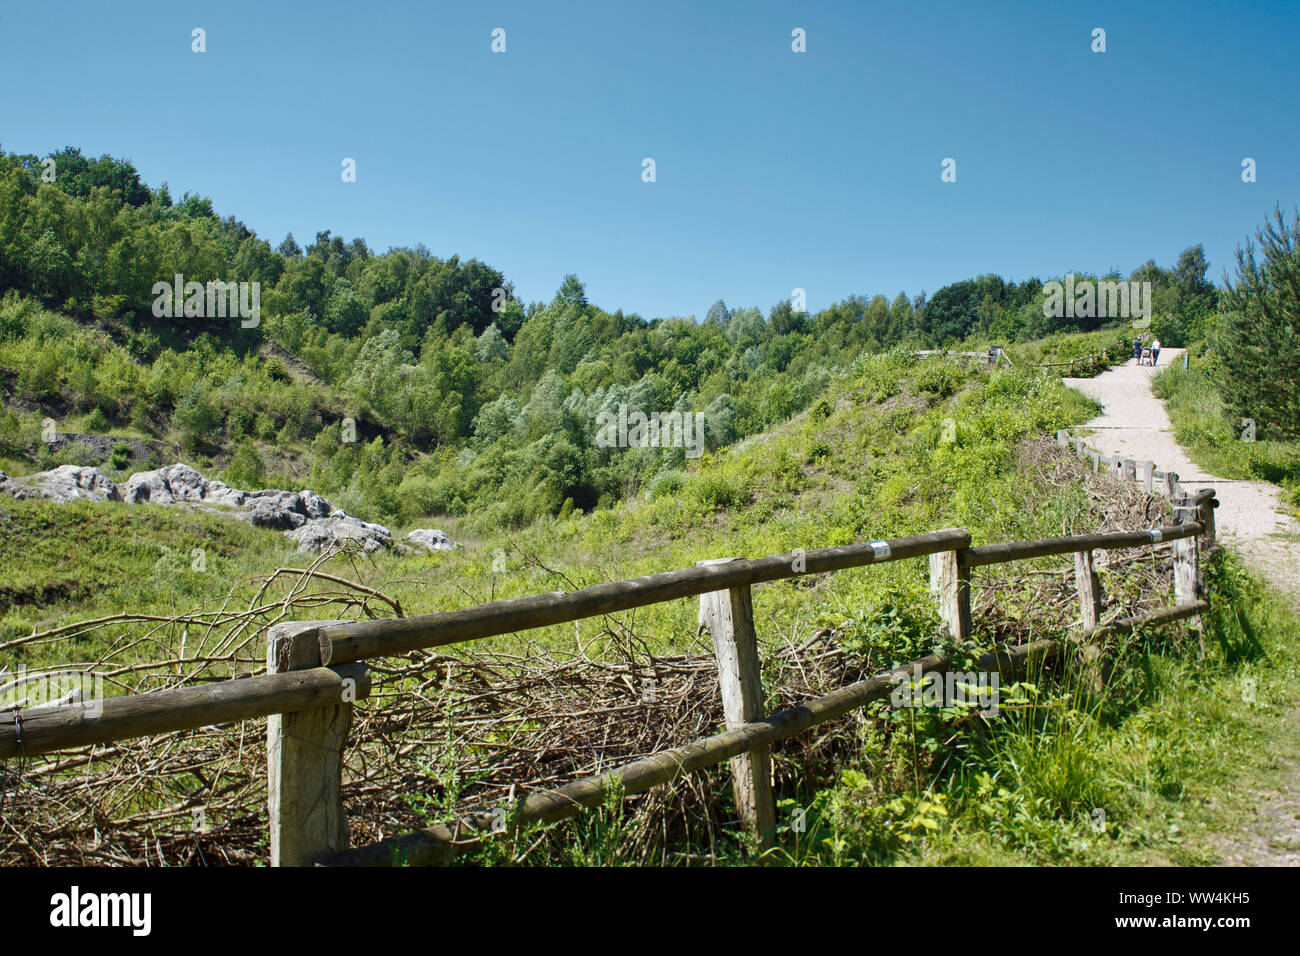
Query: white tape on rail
[{"x": 880, "y": 549}]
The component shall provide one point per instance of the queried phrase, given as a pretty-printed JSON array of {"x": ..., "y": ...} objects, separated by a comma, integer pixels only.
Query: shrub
[
  {"x": 420, "y": 495},
  {"x": 818, "y": 449},
  {"x": 713, "y": 492},
  {"x": 96, "y": 421},
  {"x": 245, "y": 469},
  {"x": 665, "y": 484},
  {"x": 121, "y": 456}
]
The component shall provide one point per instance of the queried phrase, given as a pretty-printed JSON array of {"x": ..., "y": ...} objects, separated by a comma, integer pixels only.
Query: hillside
[
  {"x": 403, "y": 384},
  {"x": 897, "y": 445}
]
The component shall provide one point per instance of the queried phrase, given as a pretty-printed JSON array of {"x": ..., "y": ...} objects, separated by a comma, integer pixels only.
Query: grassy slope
[{"x": 867, "y": 463}]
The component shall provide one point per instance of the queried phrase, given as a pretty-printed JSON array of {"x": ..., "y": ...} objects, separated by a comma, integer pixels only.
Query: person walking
[
  {"x": 1137, "y": 351},
  {"x": 1155, "y": 351}
]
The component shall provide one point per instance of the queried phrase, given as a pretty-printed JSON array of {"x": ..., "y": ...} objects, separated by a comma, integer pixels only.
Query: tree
[
  {"x": 345, "y": 313},
  {"x": 1197, "y": 297},
  {"x": 289, "y": 248},
  {"x": 572, "y": 292},
  {"x": 1258, "y": 337},
  {"x": 491, "y": 345}
]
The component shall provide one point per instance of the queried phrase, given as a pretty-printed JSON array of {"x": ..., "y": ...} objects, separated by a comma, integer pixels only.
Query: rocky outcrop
[
  {"x": 320, "y": 533},
  {"x": 305, "y": 517},
  {"x": 63, "y": 484},
  {"x": 166, "y": 486},
  {"x": 432, "y": 539}
]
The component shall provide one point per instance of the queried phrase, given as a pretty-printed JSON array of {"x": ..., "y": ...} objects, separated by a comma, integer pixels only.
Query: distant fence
[
  {"x": 992, "y": 357},
  {"x": 1094, "y": 360},
  {"x": 316, "y": 672},
  {"x": 997, "y": 354}
]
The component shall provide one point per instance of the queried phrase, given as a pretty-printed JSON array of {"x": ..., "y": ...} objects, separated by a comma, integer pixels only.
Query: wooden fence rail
[
  {"x": 315, "y": 674},
  {"x": 437, "y": 844}
]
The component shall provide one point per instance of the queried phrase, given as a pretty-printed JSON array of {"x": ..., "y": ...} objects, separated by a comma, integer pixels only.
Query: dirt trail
[{"x": 1249, "y": 520}]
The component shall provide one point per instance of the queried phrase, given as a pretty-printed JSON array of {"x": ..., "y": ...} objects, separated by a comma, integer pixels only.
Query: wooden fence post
[
  {"x": 1171, "y": 486},
  {"x": 1130, "y": 470},
  {"x": 1088, "y": 585},
  {"x": 304, "y": 753},
  {"x": 1062, "y": 437},
  {"x": 1150, "y": 468},
  {"x": 729, "y": 617},
  {"x": 1187, "y": 586},
  {"x": 950, "y": 582},
  {"x": 1207, "y": 517}
]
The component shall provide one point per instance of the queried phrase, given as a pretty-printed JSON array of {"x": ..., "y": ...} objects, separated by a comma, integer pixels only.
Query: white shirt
[{"x": 1155, "y": 344}]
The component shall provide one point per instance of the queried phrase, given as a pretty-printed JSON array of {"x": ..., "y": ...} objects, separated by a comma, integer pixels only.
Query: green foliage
[
  {"x": 1257, "y": 342},
  {"x": 897, "y": 623},
  {"x": 245, "y": 469},
  {"x": 1216, "y": 438}
]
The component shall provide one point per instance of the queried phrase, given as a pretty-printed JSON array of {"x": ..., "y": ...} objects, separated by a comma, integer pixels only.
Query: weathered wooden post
[
  {"x": 1062, "y": 437},
  {"x": 729, "y": 618},
  {"x": 1078, "y": 448},
  {"x": 304, "y": 753},
  {"x": 1171, "y": 486},
  {"x": 1207, "y": 515},
  {"x": 1187, "y": 586},
  {"x": 1150, "y": 468},
  {"x": 950, "y": 583},
  {"x": 1088, "y": 584},
  {"x": 1130, "y": 470}
]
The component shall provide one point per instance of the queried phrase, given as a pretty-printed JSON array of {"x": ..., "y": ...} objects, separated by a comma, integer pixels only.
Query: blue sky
[{"x": 775, "y": 170}]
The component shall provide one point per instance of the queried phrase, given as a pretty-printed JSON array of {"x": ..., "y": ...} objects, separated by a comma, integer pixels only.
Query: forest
[{"x": 462, "y": 399}]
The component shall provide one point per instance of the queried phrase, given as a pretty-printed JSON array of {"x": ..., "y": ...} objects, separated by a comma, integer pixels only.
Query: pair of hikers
[{"x": 1146, "y": 356}]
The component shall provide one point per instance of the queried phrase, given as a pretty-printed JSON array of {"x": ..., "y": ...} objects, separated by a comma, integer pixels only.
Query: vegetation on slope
[{"x": 465, "y": 400}]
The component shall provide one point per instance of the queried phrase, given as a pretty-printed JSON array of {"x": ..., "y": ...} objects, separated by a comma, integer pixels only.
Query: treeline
[{"x": 489, "y": 404}]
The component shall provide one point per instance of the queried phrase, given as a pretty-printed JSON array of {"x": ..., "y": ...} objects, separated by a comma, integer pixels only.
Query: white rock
[
  {"x": 150, "y": 486},
  {"x": 63, "y": 484},
  {"x": 432, "y": 539},
  {"x": 320, "y": 533},
  {"x": 307, "y": 518}
]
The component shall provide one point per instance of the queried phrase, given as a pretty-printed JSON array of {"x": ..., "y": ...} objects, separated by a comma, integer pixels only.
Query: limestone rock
[
  {"x": 432, "y": 539},
  {"x": 63, "y": 484}
]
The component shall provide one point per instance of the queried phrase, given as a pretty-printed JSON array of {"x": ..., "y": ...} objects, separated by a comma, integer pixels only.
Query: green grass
[{"x": 1216, "y": 441}]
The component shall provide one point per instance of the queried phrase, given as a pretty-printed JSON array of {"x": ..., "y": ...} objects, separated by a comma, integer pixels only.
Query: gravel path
[{"x": 1249, "y": 518}]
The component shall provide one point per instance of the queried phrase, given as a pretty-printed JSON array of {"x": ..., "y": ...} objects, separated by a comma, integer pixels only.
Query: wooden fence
[
  {"x": 316, "y": 673},
  {"x": 992, "y": 357},
  {"x": 1086, "y": 361}
]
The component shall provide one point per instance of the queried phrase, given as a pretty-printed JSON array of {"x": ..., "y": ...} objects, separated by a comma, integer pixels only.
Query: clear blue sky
[{"x": 775, "y": 170}]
